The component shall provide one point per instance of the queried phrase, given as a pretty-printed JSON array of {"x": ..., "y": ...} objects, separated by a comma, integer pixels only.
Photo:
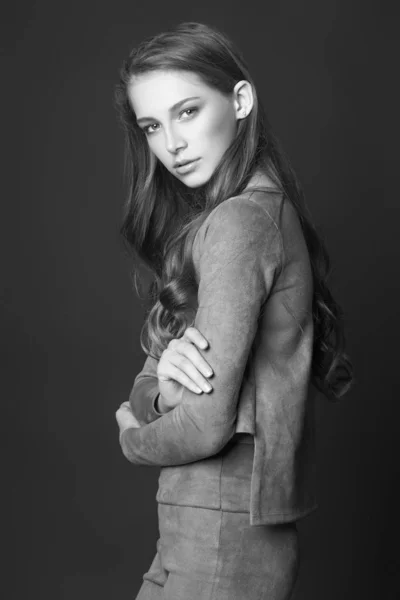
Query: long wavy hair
[{"x": 162, "y": 215}]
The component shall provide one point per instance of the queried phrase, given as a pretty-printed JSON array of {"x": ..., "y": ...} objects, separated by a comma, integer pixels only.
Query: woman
[{"x": 239, "y": 302}]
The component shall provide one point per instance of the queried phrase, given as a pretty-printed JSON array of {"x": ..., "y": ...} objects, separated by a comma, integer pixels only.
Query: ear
[{"x": 243, "y": 98}]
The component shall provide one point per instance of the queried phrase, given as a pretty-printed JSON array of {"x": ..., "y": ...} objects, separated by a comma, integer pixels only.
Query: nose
[{"x": 173, "y": 141}]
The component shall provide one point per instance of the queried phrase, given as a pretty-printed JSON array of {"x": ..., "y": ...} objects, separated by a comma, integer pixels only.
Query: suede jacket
[{"x": 254, "y": 306}]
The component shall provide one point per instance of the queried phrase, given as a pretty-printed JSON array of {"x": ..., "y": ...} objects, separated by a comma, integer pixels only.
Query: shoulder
[
  {"x": 249, "y": 211},
  {"x": 248, "y": 222},
  {"x": 240, "y": 226}
]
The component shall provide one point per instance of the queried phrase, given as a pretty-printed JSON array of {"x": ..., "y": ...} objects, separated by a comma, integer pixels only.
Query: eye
[
  {"x": 189, "y": 111},
  {"x": 147, "y": 128}
]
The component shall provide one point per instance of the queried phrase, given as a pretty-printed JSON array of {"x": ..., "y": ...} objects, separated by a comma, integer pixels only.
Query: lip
[{"x": 187, "y": 166}]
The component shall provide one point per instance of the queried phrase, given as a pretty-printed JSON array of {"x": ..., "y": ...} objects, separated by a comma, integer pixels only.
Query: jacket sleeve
[
  {"x": 144, "y": 393},
  {"x": 239, "y": 254}
]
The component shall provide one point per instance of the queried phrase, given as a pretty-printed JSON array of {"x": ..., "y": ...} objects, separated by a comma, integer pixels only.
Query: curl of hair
[{"x": 161, "y": 215}]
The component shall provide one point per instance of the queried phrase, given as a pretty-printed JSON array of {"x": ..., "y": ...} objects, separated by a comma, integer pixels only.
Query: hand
[
  {"x": 182, "y": 365},
  {"x": 125, "y": 418}
]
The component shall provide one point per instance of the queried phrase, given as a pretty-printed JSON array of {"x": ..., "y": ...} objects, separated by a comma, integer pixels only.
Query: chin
[
  {"x": 196, "y": 184},
  {"x": 195, "y": 179}
]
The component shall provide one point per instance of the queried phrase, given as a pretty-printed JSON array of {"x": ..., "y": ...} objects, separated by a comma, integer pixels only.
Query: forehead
[{"x": 157, "y": 91}]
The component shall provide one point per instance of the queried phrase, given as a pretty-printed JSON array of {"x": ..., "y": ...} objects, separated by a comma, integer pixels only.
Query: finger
[
  {"x": 191, "y": 352},
  {"x": 123, "y": 413},
  {"x": 180, "y": 376},
  {"x": 194, "y": 335},
  {"x": 188, "y": 368},
  {"x": 125, "y": 418}
]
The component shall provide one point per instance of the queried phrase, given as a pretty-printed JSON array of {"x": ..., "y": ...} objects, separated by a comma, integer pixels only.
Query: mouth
[{"x": 186, "y": 166}]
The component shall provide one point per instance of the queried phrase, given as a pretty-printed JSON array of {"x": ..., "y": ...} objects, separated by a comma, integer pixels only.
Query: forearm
[
  {"x": 201, "y": 424},
  {"x": 178, "y": 437}
]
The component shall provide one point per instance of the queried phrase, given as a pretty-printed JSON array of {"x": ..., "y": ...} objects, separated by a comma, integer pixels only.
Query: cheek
[
  {"x": 220, "y": 129},
  {"x": 156, "y": 147}
]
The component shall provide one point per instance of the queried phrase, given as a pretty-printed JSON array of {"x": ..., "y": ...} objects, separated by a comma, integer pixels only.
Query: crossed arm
[{"x": 239, "y": 256}]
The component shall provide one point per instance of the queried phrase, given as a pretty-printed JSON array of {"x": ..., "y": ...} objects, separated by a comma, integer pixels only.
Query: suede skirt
[{"x": 207, "y": 549}]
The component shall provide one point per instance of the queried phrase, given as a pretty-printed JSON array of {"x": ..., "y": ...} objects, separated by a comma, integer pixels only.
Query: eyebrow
[{"x": 174, "y": 107}]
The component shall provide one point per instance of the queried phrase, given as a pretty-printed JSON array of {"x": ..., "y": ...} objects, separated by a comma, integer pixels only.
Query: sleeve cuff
[{"x": 157, "y": 412}]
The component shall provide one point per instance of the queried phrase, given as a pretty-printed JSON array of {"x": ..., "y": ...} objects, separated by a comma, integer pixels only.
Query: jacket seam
[
  {"x": 230, "y": 510},
  {"x": 292, "y": 512}
]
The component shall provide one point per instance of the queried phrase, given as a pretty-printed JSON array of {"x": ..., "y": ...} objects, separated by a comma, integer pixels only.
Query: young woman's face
[{"x": 184, "y": 120}]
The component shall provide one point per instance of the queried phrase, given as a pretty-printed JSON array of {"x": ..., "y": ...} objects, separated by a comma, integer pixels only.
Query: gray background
[{"x": 83, "y": 519}]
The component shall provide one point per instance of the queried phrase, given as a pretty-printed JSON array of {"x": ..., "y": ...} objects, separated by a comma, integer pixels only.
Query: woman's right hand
[{"x": 182, "y": 366}]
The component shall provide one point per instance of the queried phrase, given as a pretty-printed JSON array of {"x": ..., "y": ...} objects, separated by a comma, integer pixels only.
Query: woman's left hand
[{"x": 125, "y": 418}]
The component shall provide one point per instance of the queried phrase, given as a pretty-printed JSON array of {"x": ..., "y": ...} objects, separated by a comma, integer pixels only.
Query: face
[{"x": 184, "y": 120}]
